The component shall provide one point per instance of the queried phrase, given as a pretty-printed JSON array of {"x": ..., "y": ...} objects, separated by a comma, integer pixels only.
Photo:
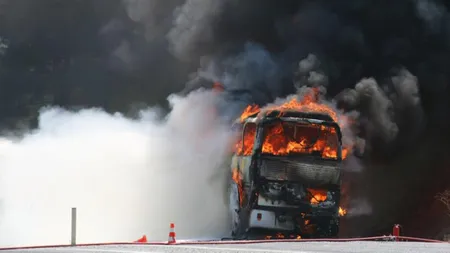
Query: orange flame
[
  {"x": 245, "y": 146},
  {"x": 248, "y": 111},
  {"x": 320, "y": 196},
  {"x": 276, "y": 141},
  {"x": 317, "y": 196},
  {"x": 309, "y": 103},
  {"x": 237, "y": 177},
  {"x": 285, "y": 138}
]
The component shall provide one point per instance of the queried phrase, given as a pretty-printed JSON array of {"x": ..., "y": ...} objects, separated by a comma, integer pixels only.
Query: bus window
[{"x": 246, "y": 142}]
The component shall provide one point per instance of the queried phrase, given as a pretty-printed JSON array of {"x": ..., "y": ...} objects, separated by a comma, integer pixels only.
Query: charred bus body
[{"x": 286, "y": 175}]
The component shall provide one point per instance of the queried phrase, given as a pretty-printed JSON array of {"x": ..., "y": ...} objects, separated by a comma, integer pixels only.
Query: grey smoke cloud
[
  {"x": 155, "y": 16},
  {"x": 432, "y": 13},
  {"x": 407, "y": 89},
  {"x": 111, "y": 53},
  {"x": 379, "y": 109},
  {"x": 193, "y": 27}
]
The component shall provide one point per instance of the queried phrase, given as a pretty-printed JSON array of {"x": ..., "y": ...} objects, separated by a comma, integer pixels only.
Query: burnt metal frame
[{"x": 253, "y": 185}]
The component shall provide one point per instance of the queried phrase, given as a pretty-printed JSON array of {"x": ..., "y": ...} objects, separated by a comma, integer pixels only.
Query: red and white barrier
[
  {"x": 396, "y": 236},
  {"x": 400, "y": 239}
]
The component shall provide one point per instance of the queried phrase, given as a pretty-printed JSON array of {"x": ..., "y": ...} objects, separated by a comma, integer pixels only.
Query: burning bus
[{"x": 286, "y": 173}]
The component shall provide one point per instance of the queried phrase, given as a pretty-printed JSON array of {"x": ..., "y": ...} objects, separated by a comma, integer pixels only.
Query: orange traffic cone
[
  {"x": 143, "y": 239},
  {"x": 172, "y": 234}
]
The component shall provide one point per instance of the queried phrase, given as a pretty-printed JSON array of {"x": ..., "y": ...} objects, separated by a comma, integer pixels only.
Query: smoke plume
[
  {"x": 384, "y": 65},
  {"x": 126, "y": 177}
]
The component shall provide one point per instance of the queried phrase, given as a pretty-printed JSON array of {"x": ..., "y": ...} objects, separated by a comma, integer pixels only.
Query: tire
[
  {"x": 334, "y": 227},
  {"x": 334, "y": 231},
  {"x": 328, "y": 228}
]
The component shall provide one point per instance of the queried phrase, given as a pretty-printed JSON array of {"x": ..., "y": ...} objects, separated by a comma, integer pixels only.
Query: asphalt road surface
[{"x": 275, "y": 247}]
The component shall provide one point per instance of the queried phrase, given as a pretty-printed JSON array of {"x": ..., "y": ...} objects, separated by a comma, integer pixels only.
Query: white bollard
[{"x": 73, "y": 240}]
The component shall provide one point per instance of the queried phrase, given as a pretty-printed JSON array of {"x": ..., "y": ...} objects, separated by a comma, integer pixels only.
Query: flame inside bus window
[
  {"x": 286, "y": 138},
  {"x": 246, "y": 141}
]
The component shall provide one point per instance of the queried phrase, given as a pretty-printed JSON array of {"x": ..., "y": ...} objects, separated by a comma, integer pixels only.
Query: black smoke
[
  {"x": 81, "y": 53},
  {"x": 385, "y": 60}
]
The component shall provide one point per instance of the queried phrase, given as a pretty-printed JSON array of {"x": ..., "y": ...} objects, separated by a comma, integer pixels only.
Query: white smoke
[
  {"x": 126, "y": 177},
  {"x": 359, "y": 207}
]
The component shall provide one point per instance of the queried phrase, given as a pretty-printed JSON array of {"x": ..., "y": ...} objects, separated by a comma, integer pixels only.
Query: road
[{"x": 276, "y": 247}]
